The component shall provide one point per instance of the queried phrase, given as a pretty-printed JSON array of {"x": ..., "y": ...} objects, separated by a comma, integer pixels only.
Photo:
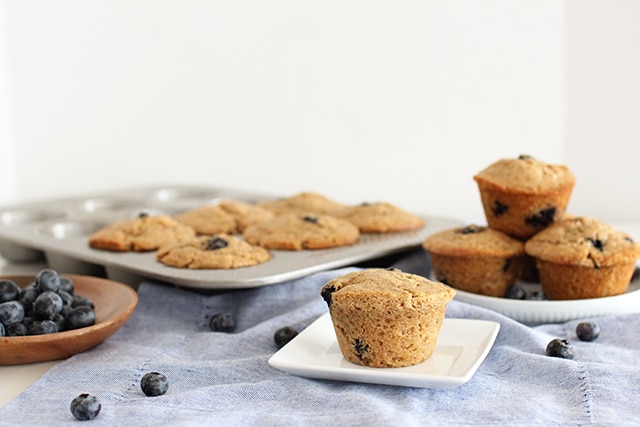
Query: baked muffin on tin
[
  {"x": 522, "y": 196},
  {"x": 582, "y": 257},
  {"x": 476, "y": 259}
]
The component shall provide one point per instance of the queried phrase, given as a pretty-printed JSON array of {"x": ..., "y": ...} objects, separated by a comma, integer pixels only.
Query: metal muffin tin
[{"x": 58, "y": 230}]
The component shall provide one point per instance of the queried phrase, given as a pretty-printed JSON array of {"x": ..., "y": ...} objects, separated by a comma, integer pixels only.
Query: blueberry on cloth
[
  {"x": 560, "y": 348},
  {"x": 11, "y": 312},
  {"x": 222, "y": 322},
  {"x": 587, "y": 331},
  {"x": 47, "y": 280},
  {"x": 9, "y": 291},
  {"x": 85, "y": 407},
  {"x": 284, "y": 335},
  {"x": 154, "y": 384}
]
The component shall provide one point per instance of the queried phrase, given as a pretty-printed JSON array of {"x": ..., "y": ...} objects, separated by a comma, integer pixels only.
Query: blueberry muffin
[
  {"x": 582, "y": 257},
  {"x": 522, "y": 196},
  {"x": 228, "y": 217},
  {"x": 141, "y": 234},
  {"x": 305, "y": 202},
  {"x": 302, "y": 231},
  {"x": 212, "y": 252},
  {"x": 476, "y": 259},
  {"x": 386, "y": 318},
  {"x": 381, "y": 217}
]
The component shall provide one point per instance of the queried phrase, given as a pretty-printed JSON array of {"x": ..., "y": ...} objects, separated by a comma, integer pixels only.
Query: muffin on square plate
[{"x": 386, "y": 318}]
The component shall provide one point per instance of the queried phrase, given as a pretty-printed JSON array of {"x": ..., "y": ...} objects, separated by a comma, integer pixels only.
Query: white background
[{"x": 402, "y": 101}]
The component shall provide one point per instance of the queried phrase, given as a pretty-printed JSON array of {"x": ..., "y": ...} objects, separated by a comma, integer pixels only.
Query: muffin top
[
  {"x": 412, "y": 292},
  {"x": 303, "y": 202},
  {"x": 583, "y": 241},
  {"x": 381, "y": 217},
  {"x": 526, "y": 174},
  {"x": 473, "y": 240}
]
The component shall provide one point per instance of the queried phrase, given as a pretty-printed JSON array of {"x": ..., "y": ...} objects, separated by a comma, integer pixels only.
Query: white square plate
[{"x": 462, "y": 346}]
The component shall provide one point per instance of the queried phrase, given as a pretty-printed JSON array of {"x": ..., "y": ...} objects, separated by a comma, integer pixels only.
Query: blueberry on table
[
  {"x": 284, "y": 335},
  {"x": 560, "y": 348},
  {"x": 154, "y": 384},
  {"x": 587, "y": 331},
  {"x": 222, "y": 322},
  {"x": 85, "y": 407}
]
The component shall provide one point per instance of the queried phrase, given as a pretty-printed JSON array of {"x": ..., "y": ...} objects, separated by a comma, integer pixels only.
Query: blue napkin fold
[{"x": 223, "y": 379}]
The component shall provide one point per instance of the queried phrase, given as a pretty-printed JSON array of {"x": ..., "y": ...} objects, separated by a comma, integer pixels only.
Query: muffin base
[
  {"x": 565, "y": 282},
  {"x": 520, "y": 214},
  {"x": 484, "y": 275},
  {"x": 387, "y": 339}
]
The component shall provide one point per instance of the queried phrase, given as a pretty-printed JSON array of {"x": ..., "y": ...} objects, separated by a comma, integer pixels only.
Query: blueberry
[
  {"x": 80, "y": 317},
  {"x": 85, "y": 407},
  {"x": 515, "y": 292},
  {"x": 360, "y": 347},
  {"x": 560, "y": 348},
  {"x": 525, "y": 157},
  {"x": 154, "y": 384},
  {"x": 16, "y": 330},
  {"x": 9, "y": 291},
  {"x": 326, "y": 293},
  {"x": 42, "y": 327},
  {"x": 471, "y": 229},
  {"x": 537, "y": 296},
  {"x": 543, "y": 218},
  {"x": 67, "y": 298},
  {"x": 284, "y": 335},
  {"x": 596, "y": 243},
  {"x": 67, "y": 285},
  {"x": 3, "y": 331},
  {"x": 79, "y": 301},
  {"x": 499, "y": 208},
  {"x": 47, "y": 305},
  {"x": 216, "y": 243},
  {"x": 310, "y": 219},
  {"x": 11, "y": 312},
  {"x": 587, "y": 331},
  {"x": 48, "y": 280},
  {"x": 27, "y": 297},
  {"x": 222, "y": 322}
]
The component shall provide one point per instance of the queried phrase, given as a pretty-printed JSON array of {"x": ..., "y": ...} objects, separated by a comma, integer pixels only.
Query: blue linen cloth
[{"x": 223, "y": 379}]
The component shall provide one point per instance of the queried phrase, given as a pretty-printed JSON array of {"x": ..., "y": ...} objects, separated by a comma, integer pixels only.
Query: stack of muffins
[{"x": 528, "y": 236}]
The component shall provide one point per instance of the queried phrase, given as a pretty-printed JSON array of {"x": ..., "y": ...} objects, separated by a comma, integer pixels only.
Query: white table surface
[{"x": 16, "y": 378}]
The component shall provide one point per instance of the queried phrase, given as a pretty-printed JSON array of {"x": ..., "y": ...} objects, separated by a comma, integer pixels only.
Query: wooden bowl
[{"x": 114, "y": 303}]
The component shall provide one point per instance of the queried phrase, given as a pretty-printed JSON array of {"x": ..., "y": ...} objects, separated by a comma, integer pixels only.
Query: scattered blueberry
[
  {"x": 222, "y": 322},
  {"x": 85, "y": 407},
  {"x": 515, "y": 292},
  {"x": 154, "y": 384},
  {"x": 284, "y": 335},
  {"x": 587, "y": 331},
  {"x": 560, "y": 348}
]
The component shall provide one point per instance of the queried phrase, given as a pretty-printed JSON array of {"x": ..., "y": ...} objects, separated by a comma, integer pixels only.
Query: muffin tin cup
[{"x": 58, "y": 231}]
